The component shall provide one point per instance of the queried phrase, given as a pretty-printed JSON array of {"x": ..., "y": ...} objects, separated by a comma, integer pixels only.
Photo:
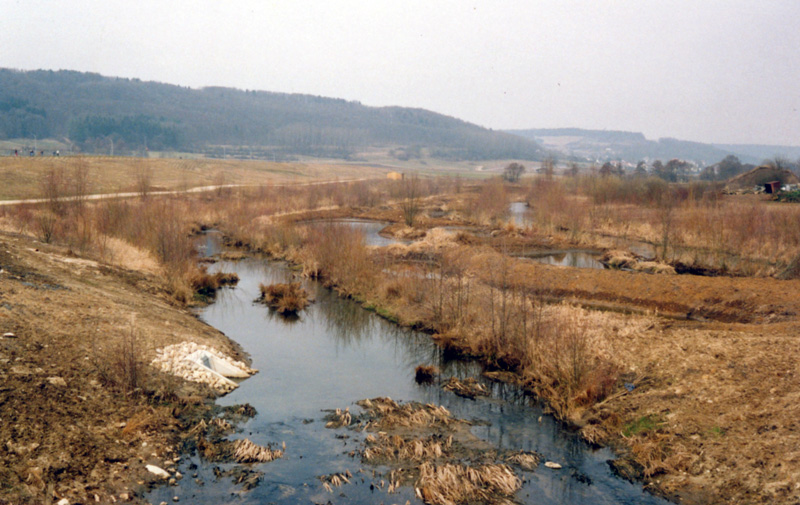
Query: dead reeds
[
  {"x": 425, "y": 374},
  {"x": 285, "y": 298},
  {"x": 385, "y": 413},
  {"x": 467, "y": 388},
  {"x": 246, "y": 451},
  {"x": 451, "y": 484}
]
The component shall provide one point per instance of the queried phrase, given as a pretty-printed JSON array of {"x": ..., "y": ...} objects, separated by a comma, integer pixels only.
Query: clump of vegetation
[
  {"x": 468, "y": 388},
  {"x": 206, "y": 284},
  {"x": 246, "y": 451},
  {"x": 641, "y": 425},
  {"x": 425, "y": 374},
  {"x": 449, "y": 484},
  {"x": 286, "y": 298},
  {"x": 788, "y": 196}
]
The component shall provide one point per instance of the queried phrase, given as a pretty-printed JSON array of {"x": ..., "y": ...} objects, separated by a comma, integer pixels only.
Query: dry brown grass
[
  {"x": 425, "y": 373},
  {"x": 467, "y": 388},
  {"x": 246, "y": 451},
  {"x": 107, "y": 174},
  {"x": 385, "y": 413},
  {"x": 453, "y": 484},
  {"x": 285, "y": 298}
]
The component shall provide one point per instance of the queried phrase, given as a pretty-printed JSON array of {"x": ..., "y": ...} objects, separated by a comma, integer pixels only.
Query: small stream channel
[{"x": 337, "y": 353}]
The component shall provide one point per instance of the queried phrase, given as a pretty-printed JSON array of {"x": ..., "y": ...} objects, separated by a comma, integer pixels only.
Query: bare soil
[{"x": 70, "y": 424}]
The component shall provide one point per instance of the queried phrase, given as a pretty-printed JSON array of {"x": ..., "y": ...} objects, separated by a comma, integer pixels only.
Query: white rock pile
[{"x": 201, "y": 363}]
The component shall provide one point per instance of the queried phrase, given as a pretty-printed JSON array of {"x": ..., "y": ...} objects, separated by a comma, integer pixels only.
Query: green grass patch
[
  {"x": 716, "y": 431},
  {"x": 789, "y": 196},
  {"x": 642, "y": 425}
]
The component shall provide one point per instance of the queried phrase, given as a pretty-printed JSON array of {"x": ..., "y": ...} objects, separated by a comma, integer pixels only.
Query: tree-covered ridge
[{"x": 92, "y": 110}]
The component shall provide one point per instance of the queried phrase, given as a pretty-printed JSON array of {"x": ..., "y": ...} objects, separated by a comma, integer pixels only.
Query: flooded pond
[
  {"x": 371, "y": 229},
  {"x": 337, "y": 353},
  {"x": 567, "y": 258},
  {"x": 520, "y": 214}
]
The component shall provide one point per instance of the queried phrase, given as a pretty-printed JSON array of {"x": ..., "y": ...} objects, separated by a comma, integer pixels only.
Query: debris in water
[
  {"x": 157, "y": 471},
  {"x": 553, "y": 465},
  {"x": 468, "y": 388},
  {"x": 338, "y": 418},
  {"x": 525, "y": 460}
]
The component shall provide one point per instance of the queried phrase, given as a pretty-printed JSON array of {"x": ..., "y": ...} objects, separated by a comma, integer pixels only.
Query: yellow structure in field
[{"x": 395, "y": 176}]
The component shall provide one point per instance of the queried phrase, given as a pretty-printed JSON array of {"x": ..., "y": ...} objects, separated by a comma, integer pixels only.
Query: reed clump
[
  {"x": 467, "y": 388},
  {"x": 245, "y": 451},
  {"x": 285, "y": 298},
  {"x": 385, "y": 413},
  {"x": 425, "y": 374},
  {"x": 524, "y": 459},
  {"x": 206, "y": 284},
  {"x": 452, "y": 484},
  {"x": 385, "y": 447}
]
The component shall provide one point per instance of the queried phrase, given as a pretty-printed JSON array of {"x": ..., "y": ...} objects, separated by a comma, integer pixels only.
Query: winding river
[{"x": 336, "y": 353}]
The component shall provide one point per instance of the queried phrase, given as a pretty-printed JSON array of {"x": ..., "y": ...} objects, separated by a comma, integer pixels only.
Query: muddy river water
[{"x": 336, "y": 353}]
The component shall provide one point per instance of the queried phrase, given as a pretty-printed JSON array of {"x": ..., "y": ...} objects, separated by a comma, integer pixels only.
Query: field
[
  {"x": 692, "y": 378},
  {"x": 21, "y": 177}
]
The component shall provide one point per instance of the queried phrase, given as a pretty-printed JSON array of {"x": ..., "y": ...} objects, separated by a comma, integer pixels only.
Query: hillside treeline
[{"x": 94, "y": 112}]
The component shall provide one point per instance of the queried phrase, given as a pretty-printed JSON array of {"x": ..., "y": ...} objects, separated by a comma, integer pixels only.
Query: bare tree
[
  {"x": 144, "y": 178},
  {"x": 410, "y": 193},
  {"x": 80, "y": 182},
  {"x": 513, "y": 171},
  {"x": 53, "y": 186}
]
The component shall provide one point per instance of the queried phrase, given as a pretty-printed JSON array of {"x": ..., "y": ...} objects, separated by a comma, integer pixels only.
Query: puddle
[{"x": 336, "y": 353}]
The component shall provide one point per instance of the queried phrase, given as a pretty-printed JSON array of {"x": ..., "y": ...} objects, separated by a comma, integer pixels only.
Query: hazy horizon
[{"x": 719, "y": 72}]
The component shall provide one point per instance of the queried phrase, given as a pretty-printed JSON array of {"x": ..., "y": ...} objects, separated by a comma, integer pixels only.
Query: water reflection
[
  {"x": 337, "y": 353},
  {"x": 370, "y": 228},
  {"x": 569, "y": 258}
]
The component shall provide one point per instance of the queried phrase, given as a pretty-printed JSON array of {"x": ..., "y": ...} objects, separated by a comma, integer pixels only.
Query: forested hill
[
  {"x": 93, "y": 111},
  {"x": 611, "y": 145}
]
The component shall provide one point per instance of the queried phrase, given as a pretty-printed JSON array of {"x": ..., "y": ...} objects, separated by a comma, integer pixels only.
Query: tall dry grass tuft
[{"x": 286, "y": 299}]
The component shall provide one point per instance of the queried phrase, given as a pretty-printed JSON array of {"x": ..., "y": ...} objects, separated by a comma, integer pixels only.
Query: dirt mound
[{"x": 759, "y": 176}]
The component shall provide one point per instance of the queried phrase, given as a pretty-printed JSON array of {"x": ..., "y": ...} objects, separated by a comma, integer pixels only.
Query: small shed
[
  {"x": 772, "y": 187},
  {"x": 395, "y": 176}
]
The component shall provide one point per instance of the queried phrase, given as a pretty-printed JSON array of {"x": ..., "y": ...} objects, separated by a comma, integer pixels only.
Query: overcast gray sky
[{"x": 709, "y": 70}]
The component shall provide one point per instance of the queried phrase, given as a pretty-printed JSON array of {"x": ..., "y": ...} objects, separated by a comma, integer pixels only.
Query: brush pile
[
  {"x": 468, "y": 388},
  {"x": 286, "y": 299},
  {"x": 174, "y": 359}
]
